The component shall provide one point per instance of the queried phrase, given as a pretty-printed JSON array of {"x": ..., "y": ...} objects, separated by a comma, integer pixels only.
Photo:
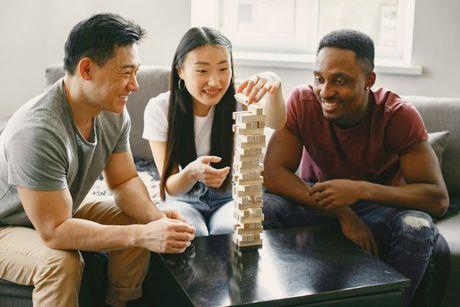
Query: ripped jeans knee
[{"x": 414, "y": 233}]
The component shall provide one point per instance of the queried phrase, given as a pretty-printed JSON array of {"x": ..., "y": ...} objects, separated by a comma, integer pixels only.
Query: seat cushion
[
  {"x": 449, "y": 228},
  {"x": 92, "y": 291}
]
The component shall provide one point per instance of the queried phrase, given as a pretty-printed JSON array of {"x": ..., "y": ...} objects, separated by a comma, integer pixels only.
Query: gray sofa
[
  {"x": 443, "y": 114},
  {"x": 438, "y": 114},
  {"x": 153, "y": 80}
]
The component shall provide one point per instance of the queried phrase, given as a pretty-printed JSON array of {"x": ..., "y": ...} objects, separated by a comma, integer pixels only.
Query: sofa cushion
[
  {"x": 438, "y": 141},
  {"x": 441, "y": 114},
  {"x": 449, "y": 228},
  {"x": 153, "y": 80},
  {"x": 3, "y": 121}
]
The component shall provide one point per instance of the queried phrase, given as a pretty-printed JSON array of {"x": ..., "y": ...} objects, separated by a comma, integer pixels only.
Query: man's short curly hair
[{"x": 361, "y": 44}]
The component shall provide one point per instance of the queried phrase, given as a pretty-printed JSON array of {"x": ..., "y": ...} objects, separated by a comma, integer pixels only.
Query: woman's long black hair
[{"x": 180, "y": 144}]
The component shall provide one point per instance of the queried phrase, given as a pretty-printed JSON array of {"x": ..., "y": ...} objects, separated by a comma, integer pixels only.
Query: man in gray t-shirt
[
  {"x": 58, "y": 156},
  {"x": 52, "y": 151}
]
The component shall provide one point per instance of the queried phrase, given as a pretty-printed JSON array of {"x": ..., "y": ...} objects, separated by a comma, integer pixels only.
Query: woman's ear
[{"x": 180, "y": 72}]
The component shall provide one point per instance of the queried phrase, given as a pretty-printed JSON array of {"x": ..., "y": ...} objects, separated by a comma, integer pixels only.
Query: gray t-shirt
[{"x": 41, "y": 149}]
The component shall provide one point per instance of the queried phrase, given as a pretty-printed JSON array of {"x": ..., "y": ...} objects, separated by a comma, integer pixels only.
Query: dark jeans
[{"x": 405, "y": 238}]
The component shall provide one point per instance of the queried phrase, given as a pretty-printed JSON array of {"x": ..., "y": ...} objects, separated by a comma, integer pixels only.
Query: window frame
[{"x": 394, "y": 61}]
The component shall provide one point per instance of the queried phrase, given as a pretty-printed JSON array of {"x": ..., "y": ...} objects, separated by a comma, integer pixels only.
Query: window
[{"x": 286, "y": 32}]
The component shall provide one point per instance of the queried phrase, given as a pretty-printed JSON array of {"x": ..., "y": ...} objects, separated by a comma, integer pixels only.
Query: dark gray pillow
[{"x": 438, "y": 141}]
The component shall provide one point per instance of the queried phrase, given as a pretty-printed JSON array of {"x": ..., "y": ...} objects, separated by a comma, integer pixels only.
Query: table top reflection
[{"x": 294, "y": 265}]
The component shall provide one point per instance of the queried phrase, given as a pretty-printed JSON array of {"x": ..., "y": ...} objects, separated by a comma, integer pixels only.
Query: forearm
[
  {"x": 419, "y": 196},
  {"x": 133, "y": 199},
  {"x": 284, "y": 182},
  {"x": 86, "y": 235},
  {"x": 180, "y": 183},
  {"x": 275, "y": 108}
]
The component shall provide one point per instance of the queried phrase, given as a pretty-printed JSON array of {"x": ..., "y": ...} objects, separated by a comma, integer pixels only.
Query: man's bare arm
[
  {"x": 425, "y": 189},
  {"x": 129, "y": 191},
  {"x": 51, "y": 214},
  {"x": 282, "y": 159}
]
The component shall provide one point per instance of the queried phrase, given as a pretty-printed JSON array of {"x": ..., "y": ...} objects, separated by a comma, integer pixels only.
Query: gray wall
[{"x": 32, "y": 35}]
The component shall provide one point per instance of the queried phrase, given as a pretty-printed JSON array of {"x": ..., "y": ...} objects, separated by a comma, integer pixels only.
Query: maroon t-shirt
[{"x": 369, "y": 151}]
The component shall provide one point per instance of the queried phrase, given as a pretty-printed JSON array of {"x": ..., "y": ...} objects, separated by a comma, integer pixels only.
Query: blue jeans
[
  {"x": 209, "y": 210},
  {"x": 405, "y": 238}
]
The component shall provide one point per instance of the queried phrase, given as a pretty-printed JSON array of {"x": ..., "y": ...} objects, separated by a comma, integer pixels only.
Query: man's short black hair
[
  {"x": 358, "y": 42},
  {"x": 98, "y": 37}
]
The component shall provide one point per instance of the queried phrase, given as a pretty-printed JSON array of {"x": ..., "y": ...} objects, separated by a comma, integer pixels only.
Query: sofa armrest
[{"x": 3, "y": 121}]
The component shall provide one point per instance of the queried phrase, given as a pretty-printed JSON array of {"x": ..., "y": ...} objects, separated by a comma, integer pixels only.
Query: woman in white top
[{"x": 190, "y": 133}]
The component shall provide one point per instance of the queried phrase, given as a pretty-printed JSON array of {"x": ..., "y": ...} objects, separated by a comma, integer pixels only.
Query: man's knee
[
  {"x": 65, "y": 265},
  {"x": 221, "y": 229},
  {"x": 415, "y": 233},
  {"x": 280, "y": 212},
  {"x": 274, "y": 204}
]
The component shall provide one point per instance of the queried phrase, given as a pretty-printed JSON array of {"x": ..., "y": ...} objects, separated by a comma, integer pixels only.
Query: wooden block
[
  {"x": 238, "y": 192},
  {"x": 245, "y": 117},
  {"x": 255, "y": 211},
  {"x": 243, "y": 213},
  {"x": 246, "y": 237},
  {"x": 260, "y": 181},
  {"x": 251, "y": 138},
  {"x": 257, "y": 170},
  {"x": 256, "y": 109},
  {"x": 235, "y": 114},
  {"x": 248, "y": 151},
  {"x": 247, "y": 205},
  {"x": 247, "y": 213},
  {"x": 249, "y": 125},
  {"x": 247, "y": 131},
  {"x": 239, "y": 206},
  {"x": 251, "y": 225},
  {"x": 240, "y": 144},
  {"x": 247, "y": 244},
  {"x": 248, "y": 188},
  {"x": 241, "y": 98},
  {"x": 240, "y": 231},
  {"x": 247, "y": 176},
  {"x": 246, "y": 164},
  {"x": 257, "y": 157},
  {"x": 246, "y": 200},
  {"x": 251, "y": 219}
]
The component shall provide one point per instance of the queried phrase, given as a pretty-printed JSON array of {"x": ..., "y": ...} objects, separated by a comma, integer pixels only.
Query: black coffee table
[{"x": 310, "y": 266}]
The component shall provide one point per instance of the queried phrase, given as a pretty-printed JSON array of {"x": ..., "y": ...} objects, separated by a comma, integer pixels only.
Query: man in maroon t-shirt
[{"x": 366, "y": 165}]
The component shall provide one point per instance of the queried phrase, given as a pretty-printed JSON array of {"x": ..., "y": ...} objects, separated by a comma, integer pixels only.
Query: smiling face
[
  {"x": 341, "y": 86},
  {"x": 207, "y": 73},
  {"x": 113, "y": 82}
]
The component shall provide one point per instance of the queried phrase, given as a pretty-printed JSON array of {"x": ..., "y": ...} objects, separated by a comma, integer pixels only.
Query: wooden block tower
[{"x": 247, "y": 180}]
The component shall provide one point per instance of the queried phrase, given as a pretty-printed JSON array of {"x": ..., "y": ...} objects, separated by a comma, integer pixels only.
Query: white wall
[
  {"x": 32, "y": 36},
  {"x": 33, "y": 33},
  {"x": 436, "y": 48}
]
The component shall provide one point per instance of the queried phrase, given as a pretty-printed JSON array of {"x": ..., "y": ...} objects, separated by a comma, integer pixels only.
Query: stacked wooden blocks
[{"x": 247, "y": 180}]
